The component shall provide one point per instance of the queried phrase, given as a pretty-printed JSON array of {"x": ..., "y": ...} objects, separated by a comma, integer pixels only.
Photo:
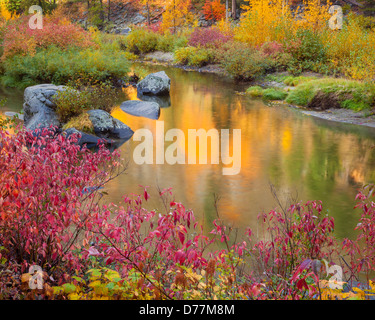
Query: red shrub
[
  {"x": 44, "y": 202},
  {"x": 208, "y": 37},
  {"x": 362, "y": 249},
  {"x": 272, "y": 48}
]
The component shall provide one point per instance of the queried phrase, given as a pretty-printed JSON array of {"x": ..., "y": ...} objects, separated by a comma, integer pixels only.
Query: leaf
[
  {"x": 112, "y": 275},
  {"x": 69, "y": 288},
  {"x": 25, "y": 277},
  {"x": 79, "y": 279},
  {"x": 74, "y": 296},
  {"x": 95, "y": 273}
]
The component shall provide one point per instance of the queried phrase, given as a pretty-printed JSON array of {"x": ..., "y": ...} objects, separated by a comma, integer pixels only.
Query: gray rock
[
  {"x": 155, "y": 84},
  {"x": 38, "y": 106},
  {"x": 138, "y": 18},
  {"x": 12, "y": 114},
  {"x": 87, "y": 139},
  {"x": 138, "y": 108},
  {"x": 43, "y": 119},
  {"x": 105, "y": 126},
  {"x": 162, "y": 101},
  {"x": 125, "y": 31}
]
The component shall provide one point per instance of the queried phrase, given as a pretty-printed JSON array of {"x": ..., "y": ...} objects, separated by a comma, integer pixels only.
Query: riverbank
[{"x": 362, "y": 117}]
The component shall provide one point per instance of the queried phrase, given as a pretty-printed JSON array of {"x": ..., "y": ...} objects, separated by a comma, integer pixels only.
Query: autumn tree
[
  {"x": 264, "y": 21},
  {"x": 214, "y": 10},
  {"x": 177, "y": 14}
]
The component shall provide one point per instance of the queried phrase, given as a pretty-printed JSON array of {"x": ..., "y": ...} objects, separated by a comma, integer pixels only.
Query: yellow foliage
[
  {"x": 177, "y": 14},
  {"x": 315, "y": 16},
  {"x": 264, "y": 21},
  {"x": 4, "y": 13},
  {"x": 352, "y": 49}
]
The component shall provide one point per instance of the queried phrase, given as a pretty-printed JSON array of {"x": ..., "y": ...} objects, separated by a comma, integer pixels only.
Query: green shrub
[
  {"x": 58, "y": 66},
  {"x": 76, "y": 99},
  {"x": 169, "y": 42},
  {"x": 241, "y": 61},
  {"x": 307, "y": 51},
  {"x": 141, "y": 40},
  {"x": 193, "y": 56},
  {"x": 255, "y": 91}
]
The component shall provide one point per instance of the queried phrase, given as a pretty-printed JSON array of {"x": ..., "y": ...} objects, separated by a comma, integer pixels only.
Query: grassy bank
[{"x": 320, "y": 93}]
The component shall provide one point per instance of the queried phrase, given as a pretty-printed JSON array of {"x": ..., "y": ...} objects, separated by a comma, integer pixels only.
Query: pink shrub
[
  {"x": 208, "y": 37},
  {"x": 43, "y": 203},
  {"x": 272, "y": 48}
]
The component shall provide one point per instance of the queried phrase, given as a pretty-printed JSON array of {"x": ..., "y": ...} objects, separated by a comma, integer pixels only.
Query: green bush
[
  {"x": 307, "y": 51},
  {"x": 141, "y": 41},
  {"x": 77, "y": 98},
  {"x": 241, "y": 61},
  {"x": 71, "y": 103},
  {"x": 59, "y": 66},
  {"x": 169, "y": 42},
  {"x": 255, "y": 91},
  {"x": 193, "y": 56}
]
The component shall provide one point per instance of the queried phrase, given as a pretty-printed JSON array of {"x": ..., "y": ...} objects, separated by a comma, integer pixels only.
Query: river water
[{"x": 305, "y": 158}]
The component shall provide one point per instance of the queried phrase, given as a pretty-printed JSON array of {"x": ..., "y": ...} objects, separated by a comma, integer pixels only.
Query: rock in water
[
  {"x": 105, "y": 126},
  {"x": 162, "y": 101},
  {"x": 155, "y": 84},
  {"x": 38, "y": 106},
  {"x": 138, "y": 108}
]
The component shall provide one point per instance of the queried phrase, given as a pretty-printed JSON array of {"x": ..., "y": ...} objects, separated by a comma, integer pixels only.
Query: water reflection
[{"x": 309, "y": 158}]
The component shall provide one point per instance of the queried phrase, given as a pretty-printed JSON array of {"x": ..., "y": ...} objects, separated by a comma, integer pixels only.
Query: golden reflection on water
[
  {"x": 301, "y": 156},
  {"x": 307, "y": 158}
]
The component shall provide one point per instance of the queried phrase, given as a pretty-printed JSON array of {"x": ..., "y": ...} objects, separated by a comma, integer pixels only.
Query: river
[{"x": 305, "y": 158}]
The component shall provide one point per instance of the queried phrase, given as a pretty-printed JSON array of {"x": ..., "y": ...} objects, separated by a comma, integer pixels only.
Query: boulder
[
  {"x": 43, "y": 119},
  {"x": 14, "y": 115},
  {"x": 155, "y": 84},
  {"x": 87, "y": 139},
  {"x": 105, "y": 126},
  {"x": 139, "y": 108},
  {"x": 38, "y": 106},
  {"x": 162, "y": 101}
]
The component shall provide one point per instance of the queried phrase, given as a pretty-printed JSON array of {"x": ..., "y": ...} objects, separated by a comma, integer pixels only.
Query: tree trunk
[
  {"x": 234, "y": 9},
  {"x": 174, "y": 16},
  {"x": 109, "y": 10},
  {"x": 226, "y": 10},
  {"x": 148, "y": 13}
]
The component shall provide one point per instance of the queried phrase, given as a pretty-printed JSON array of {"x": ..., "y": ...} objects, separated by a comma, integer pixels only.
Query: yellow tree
[
  {"x": 315, "y": 16},
  {"x": 264, "y": 21},
  {"x": 177, "y": 14}
]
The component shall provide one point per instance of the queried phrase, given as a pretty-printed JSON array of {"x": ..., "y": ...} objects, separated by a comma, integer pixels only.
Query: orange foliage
[{"x": 214, "y": 10}]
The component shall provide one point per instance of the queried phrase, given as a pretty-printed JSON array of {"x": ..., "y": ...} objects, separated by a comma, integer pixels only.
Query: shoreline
[{"x": 362, "y": 118}]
